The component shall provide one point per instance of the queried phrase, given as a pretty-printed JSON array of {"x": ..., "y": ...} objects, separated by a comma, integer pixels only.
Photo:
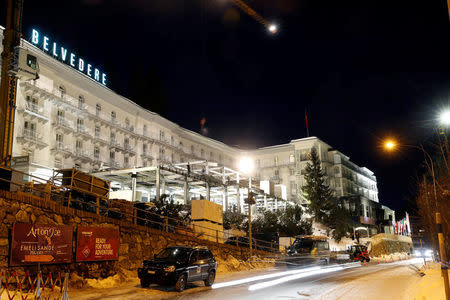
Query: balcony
[
  {"x": 113, "y": 164},
  {"x": 146, "y": 155},
  {"x": 31, "y": 137},
  {"x": 34, "y": 111},
  {"x": 83, "y": 132},
  {"x": 64, "y": 124},
  {"x": 116, "y": 145},
  {"x": 66, "y": 150},
  {"x": 100, "y": 139},
  {"x": 130, "y": 149},
  {"x": 83, "y": 155},
  {"x": 129, "y": 129}
]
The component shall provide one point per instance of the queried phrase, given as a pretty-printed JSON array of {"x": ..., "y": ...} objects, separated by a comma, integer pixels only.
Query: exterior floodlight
[
  {"x": 445, "y": 117},
  {"x": 273, "y": 28},
  {"x": 246, "y": 165}
]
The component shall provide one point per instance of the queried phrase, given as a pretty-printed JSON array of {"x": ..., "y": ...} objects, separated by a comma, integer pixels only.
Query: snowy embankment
[{"x": 428, "y": 287}]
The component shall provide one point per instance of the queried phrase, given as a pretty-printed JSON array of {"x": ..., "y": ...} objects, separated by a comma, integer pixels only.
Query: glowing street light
[
  {"x": 389, "y": 145},
  {"x": 273, "y": 28},
  {"x": 444, "y": 118}
]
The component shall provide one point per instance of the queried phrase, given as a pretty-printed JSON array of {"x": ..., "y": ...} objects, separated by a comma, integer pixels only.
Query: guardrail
[{"x": 138, "y": 213}]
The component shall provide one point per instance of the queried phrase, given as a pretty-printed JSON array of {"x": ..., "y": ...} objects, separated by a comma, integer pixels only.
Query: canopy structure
[{"x": 186, "y": 181}]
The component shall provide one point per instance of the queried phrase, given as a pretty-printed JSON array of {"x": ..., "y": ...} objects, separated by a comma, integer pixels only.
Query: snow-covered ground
[{"x": 430, "y": 286}]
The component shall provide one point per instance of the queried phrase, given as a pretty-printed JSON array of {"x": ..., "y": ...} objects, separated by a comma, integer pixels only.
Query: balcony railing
[
  {"x": 64, "y": 148},
  {"x": 100, "y": 138},
  {"x": 129, "y": 148},
  {"x": 29, "y": 135},
  {"x": 35, "y": 110},
  {"x": 64, "y": 123},
  {"x": 114, "y": 164},
  {"x": 81, "y": 129},
  {"x": 115, "y": 144},
  {"x": 83, "y": 154}
]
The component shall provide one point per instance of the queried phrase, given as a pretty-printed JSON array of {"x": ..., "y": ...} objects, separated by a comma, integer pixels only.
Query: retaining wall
[{"x": 136, "y": 242}]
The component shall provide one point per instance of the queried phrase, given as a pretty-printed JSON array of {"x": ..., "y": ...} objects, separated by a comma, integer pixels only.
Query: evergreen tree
[{"x": 317, "y": 192}]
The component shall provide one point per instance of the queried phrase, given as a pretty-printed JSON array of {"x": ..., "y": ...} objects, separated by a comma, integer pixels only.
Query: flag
[{"x": 306, "y": 120}]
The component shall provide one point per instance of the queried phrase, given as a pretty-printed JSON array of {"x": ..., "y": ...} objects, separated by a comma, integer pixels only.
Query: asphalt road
[{"x": 372, "y": 281}]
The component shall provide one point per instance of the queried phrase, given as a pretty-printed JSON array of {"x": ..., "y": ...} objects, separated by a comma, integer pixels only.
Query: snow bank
[
  {"x": 386, "y": 244},
  {"x": 429, "y": 287},
  {"x": 112, "y": 281},
  {"x": 231, "y": 264}
]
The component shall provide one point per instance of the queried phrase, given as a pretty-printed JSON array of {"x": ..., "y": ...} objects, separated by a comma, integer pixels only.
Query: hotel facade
[{"x": 70, "y": 118}]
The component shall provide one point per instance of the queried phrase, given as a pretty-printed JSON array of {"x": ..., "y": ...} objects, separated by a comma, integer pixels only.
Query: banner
[
  {"x": 45, "y": 244},
  {"x": 97, "y": 243}
]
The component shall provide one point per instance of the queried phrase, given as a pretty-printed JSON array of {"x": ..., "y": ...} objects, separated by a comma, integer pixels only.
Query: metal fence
[
  {"x": 43, "y": 193},
  {"x": 51, "y": 286}
]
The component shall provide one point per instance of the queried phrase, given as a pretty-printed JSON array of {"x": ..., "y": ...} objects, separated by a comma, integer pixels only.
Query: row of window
[{"x": 98, "y": 109}]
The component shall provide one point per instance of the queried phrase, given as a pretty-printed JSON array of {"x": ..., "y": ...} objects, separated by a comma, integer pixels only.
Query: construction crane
[
  {"x": 252, "y": 13},
  {"x": 17, "y": 63}
]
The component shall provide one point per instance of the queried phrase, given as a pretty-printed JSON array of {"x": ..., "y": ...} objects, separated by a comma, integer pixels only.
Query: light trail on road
[
  {"x": 267, "y": 284},
  {"x": 261, "y": 277},
  {"x": 278, "y": 274}
]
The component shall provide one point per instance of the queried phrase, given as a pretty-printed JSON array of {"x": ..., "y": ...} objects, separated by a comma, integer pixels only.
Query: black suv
[{"x": 177, "y": 266}]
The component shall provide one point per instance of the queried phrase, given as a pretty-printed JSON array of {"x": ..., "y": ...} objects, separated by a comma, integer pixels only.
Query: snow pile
[
  {"x": 383, "y": 258},
  {"x": 232, "y": 264},
  {"x": 386, "y": 244},
  {"x": 430, "y": 286},
  {"x": 112, "y": 281}
]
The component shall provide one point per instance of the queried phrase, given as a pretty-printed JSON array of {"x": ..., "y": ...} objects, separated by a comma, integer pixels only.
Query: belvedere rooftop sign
[{"x": 66, "y": 56}]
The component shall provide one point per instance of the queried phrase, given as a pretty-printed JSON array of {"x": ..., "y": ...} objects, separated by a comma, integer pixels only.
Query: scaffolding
[{"x": 193, "y": 180}]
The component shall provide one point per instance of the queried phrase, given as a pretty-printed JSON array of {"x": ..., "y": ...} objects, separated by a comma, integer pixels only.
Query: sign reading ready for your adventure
[{"x": 97, "y": 243}]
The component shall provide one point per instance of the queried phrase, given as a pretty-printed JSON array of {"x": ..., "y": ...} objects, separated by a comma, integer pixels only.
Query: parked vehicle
[
  {"x": 308, "y": 250},
  {"x": 177, "y": 266},
  {"x": 359, "y": 253}
]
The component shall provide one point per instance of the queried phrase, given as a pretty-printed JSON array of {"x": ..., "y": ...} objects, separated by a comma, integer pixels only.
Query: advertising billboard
[
  {"x": 97, "y": 243},
  {"x": 38, "y": 243}
]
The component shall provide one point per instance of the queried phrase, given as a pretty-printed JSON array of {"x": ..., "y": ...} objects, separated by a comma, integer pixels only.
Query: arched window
[{"x": 113, "y": 116}]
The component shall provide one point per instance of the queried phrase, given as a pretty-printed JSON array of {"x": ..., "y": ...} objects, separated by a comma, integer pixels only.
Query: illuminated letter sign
[{"x": 68, "y": 57}]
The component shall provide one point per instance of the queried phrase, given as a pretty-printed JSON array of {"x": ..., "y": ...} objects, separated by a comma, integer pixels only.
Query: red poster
[
  {"x": 97, "y": 243},
  {"x": 45, "y": 244}
]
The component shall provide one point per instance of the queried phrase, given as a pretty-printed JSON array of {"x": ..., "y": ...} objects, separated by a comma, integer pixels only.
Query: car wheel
[
  {"x": 211, "y": 277},
  {"x": 145, "y": 283},
  {"x": 180, "y": 285}
]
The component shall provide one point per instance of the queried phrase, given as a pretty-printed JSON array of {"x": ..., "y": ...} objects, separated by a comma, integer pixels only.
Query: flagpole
[{"x": 306, "y": 122}]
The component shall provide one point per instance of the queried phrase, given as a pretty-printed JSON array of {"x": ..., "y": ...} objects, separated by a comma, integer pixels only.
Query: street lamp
[
  {"x": 246, "y": 166},
  {"x": 444, "y": 117},
  {"x": 273, "y": 28},
  {"x": 389, "y": 145}
]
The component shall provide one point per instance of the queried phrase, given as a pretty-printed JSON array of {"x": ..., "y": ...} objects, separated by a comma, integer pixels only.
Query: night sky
[{"x": 363, "y": 70}]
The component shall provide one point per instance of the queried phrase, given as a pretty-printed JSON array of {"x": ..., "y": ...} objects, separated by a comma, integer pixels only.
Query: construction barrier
[{"x": 51, "y": 286}]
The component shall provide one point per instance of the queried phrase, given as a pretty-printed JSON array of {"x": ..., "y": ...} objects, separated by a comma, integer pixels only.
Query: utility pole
[
  {"x": 444, "y": 268},
  {"x": 11, "y": 39},
  {"x": 250, "y": 200}
]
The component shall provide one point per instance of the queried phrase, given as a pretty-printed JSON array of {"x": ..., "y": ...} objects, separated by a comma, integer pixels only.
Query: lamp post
[
  {"x": 246, "y": 166},
  {"x": 391, "y": 145}
]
